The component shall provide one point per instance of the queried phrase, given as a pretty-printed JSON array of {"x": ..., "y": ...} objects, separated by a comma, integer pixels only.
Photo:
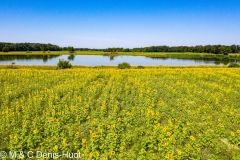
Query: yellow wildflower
[
  {"x": 55, "y": 148},
  {"x": 192, "y": 138},
  {"x": 84, "y": 140},
  {"x": 34, "y": 131}
]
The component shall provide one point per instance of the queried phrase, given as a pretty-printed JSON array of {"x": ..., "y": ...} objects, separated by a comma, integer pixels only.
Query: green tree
[
  {"x": 70, "y": 49},
  {"x": 225, "y": 50},
  {"x": 234, "y": 48},
  {"x": 113, "y": 50},
  {"x": 43, "y": 48},
  {"x": 126, "y": 50},
  {"x": 5, "y": 49}
]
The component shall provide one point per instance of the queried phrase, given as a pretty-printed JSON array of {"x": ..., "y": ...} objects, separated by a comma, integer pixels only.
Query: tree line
[
  {"x": 216, "y": 49},
  {"x": 5, "y": 47}
]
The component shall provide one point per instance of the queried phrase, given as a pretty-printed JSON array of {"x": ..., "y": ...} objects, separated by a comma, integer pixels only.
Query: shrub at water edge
[
  {"x": 62, "y": 64},
  {"x": 124, "y": 65},
  {"x": 233, "y": 65}
]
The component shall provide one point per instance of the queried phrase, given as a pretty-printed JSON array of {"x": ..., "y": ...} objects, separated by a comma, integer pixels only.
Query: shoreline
[
  {"x": 175, "y": 55},
  {"x": 53, "y": 67}
]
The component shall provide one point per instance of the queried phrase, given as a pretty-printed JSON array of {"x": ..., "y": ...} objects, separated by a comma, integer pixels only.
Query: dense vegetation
[
  {"x": 124, "y": 65},
  {"x": 215, "y": 49},
  {"x": 62, "y": 64},
  {"x": 5, "y": 47},
  {"x": 233, "y": 65},
  {"x": 158, "y": 113}
]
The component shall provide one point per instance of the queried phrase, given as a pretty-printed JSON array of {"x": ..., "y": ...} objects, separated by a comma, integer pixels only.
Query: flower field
[{"x": 152, "y": 113}]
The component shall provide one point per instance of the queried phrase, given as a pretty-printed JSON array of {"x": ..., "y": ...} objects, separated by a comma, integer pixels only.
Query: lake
[{"x": 96, "y": 60}]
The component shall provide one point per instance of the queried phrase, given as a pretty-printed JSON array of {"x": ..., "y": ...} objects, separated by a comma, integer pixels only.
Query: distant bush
[
  {"x": 124, "y": 65},
  {"x": 62, "y": 64},
  {"x": 140, "y": 67},
  {"x": 233, "y": 65},
  {"x": 12, "y": 66}
]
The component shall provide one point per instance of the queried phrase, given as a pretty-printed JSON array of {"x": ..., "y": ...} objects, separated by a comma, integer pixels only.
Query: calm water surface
[{"x": 96, "y": 60}]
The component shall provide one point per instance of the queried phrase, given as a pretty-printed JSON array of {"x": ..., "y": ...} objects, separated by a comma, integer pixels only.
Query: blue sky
[{"x": 120, "y": 23}]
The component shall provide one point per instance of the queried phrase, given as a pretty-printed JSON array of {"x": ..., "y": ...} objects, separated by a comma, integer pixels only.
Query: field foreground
[{"x": 161, "y": 113}]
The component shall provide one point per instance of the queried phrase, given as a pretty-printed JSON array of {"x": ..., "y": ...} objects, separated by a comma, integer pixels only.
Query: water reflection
[
  {"x": 45, "y": 58},
  {"x": 71, "y": 57},
  {"x": 157, "y": 58},
  {"x": 203, "y": 60},
  {"x": 112, "y": 58},
  {"x": 27, "y": 57},
  {"x": 93, "y": 60}
]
